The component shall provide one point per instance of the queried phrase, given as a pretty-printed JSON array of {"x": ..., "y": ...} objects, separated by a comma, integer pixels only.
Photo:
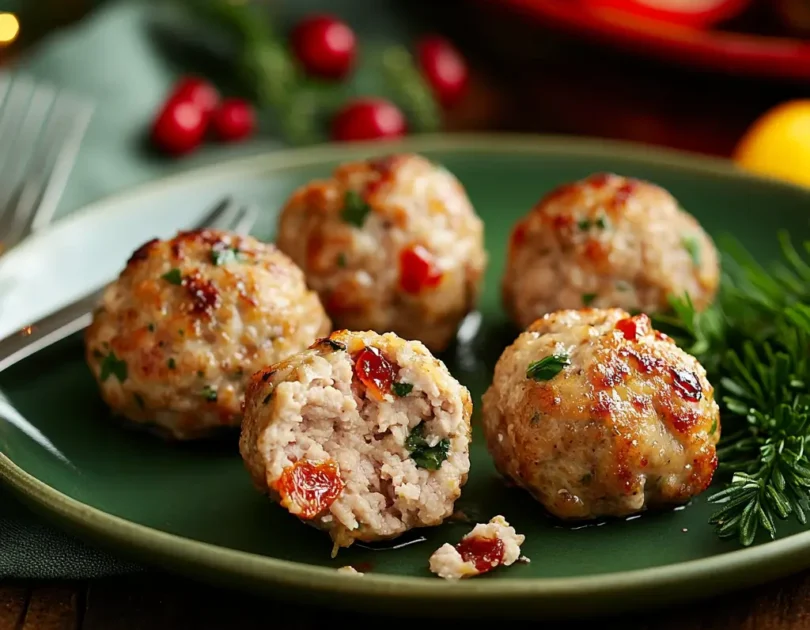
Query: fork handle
[{"x": 47, "y": 331}]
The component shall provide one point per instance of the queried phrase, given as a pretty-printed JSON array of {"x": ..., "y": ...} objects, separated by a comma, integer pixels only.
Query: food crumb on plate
[
  {"x": 487, "y": 546},
  {"x": 349, "y": 569}
]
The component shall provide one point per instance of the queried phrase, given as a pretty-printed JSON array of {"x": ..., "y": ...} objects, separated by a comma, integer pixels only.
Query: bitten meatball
[
  {"x": 607, "y": 241},
  {"x": 363, "y": 435},
  {"x": 178, "y": 334},
  {"x": 597, "y": 414},
  {"x": 390, "y": 244}
]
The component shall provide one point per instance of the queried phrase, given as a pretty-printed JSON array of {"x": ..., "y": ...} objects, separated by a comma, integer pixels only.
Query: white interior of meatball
[{"x": 327, "y": 414}]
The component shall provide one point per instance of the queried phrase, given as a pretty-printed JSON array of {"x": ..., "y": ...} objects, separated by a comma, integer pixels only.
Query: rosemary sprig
[{"x": 754, "y": 342}]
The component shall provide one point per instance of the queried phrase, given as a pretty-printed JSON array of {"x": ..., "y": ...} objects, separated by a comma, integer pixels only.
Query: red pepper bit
[
  {"x": 374, "y": 371},
  {"x": 632, "y": 327},
  {"x": 519, "y": 234},
  {"x": 686, "y": 383},
  {"x": 484, "y": 553},
  {"x": 417, "y": 270},
  {"x": 308, "y": 488}
]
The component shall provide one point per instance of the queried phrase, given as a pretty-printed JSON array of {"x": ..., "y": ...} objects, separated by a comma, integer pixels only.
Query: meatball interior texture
[
  {"x": 391, "y": 244},
  {"x": 486, "y": 547},
  {"x": 597, "y": 414},
  {"x": 362, "y": 435},
  {"x": 178, "y": 334},
  {"x": 607, "y": 241}
]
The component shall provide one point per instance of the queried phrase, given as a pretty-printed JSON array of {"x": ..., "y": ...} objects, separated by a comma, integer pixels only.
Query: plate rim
[{"x": 717, "y": 573}]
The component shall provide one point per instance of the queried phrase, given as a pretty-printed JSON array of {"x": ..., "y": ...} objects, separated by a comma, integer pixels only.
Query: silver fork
[
  {"x": 75, "y": 316},
  {"x": 41, "y": 130}
]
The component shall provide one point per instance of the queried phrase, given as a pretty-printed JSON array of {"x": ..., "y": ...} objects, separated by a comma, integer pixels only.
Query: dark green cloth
[{"x": 113, "y": 57}]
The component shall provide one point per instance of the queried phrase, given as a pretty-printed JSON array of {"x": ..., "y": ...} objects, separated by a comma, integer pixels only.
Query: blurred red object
[
  {"x": 723, "y": 51},
  {"x": 694, "y": 13}
]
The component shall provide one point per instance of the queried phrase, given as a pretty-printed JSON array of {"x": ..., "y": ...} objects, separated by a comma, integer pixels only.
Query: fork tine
[
  {"x": 246, "y": 221},
  {"x": 71, "y": 124}
]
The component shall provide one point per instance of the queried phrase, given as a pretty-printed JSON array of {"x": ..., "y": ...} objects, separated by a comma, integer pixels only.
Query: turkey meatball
[
  {"x": 597, "y": 414},
  {"x": 178, "y": 334},
  {"x": 363, "y": 435},
  {"x": 390, "y": 244},
  {"x": 607, "y": 241}
]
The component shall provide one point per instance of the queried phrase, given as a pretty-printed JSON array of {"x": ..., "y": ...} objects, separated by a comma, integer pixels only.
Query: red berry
[
  {"x": 417, "y": 270},
  {"x": 325, "y": 46},
  {"x": 234, "y": 120},
  {"x": 368, "y": 119},
  {"x": 444, "y": 68},
  {"x": 197, "y": 91},
  {"x": 179, "y": 127}
]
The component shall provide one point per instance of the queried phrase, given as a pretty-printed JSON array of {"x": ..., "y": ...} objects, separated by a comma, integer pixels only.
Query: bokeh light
[{"x": 9, "y": 28}]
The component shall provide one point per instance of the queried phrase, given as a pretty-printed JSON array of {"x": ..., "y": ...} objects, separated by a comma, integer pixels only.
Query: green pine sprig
[{"x": 754, "y": 343}]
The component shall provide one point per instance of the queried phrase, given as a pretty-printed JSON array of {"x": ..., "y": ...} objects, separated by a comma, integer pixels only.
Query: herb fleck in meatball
[
  {"x": 607, "y": 241},
  {"x": 179, "y": 333},
  {"x": 597, "y": 414},
  {"x": 390, "y": 244},
  {"x": 363, "y": 435}
]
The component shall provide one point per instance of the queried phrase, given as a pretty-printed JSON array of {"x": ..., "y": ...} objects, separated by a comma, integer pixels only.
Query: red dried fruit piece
[
  {"x": 374, "y": 371},
  {"x": 484, "y": 553},
  {"x": 309, "y": 488},
  {"x": 632, "y": 327},
  {"x": 686, "y": 383},
  {"x": 417, "y": 270}
]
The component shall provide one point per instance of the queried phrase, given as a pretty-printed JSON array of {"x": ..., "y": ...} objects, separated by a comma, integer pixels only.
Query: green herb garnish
[
  {"x": 341, "y": 260},
  {"x": 588, "y": 298},
  {"x": 335, "y": 345},
  {"x": 222, "y": 256},
  {"x": 267, "y": 398},
  {"x": 172, "y": 364},
  {"x": 151, "y": 328},
  {"x": 584, "y": 225},
  {"x": 355, "y": 208},
  {"x": 402, "y": 389},
  {"x": 753, "y": 343},
  {"x": 111, "y": 365},
  {"x": 691, "y": 245},
  {"x": 424, "y": 455},
  {"x": 173, "y": 276},
  {"x": 139, "y": 399},
  {"x": 548, "y": 367},
  {"x": 209, "y": 393},
  {"x": 601, "y": 223}
]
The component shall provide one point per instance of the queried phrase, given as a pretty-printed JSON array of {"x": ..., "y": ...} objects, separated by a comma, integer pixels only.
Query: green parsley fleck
[
  {"x": 209, "y": 393},
  {"x": 402, "y": 389},
  {"x": 113, "y": 366},
  {"x": 536, "y": 418},
  {"x": 586, "y": 478},
  {"x": 151, "y": 327},
  {"x": 588, "y": 298},
  {"x": 222, "y": 256},
  {"x": 548, "y": 367},
  {"x": 714, "y": 427},
  {"x": 355, "y": 208},
  {"x": 601, "y": 223},
  {"x": 584, "y": 225},
  {"x": 341, "y": 260},
  {"x": 172, "y": 364},
  {"x": 267, "y": 398},
  {"x": 173, "y": 276},
  {"x": 98, "y": 354},
  {"x": 335, "y": 345},
  {"x": 424, "y": 455},
  {"x": 200, "y": 373},
  {"x": 139, "y": 399},
  {"x": 691, "y": 245}
]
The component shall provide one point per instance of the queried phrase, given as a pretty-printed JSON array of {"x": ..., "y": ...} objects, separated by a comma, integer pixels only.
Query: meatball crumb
[
  {"x": 486, "y": 547},
  {"x": 349, "y": 570}
]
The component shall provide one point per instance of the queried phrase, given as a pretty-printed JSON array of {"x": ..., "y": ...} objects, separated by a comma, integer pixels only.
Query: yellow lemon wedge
[{"x": 778, "y": 144}]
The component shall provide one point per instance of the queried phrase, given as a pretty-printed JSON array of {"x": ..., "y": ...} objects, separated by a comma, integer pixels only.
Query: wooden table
[{"x": 524, "y": 81}]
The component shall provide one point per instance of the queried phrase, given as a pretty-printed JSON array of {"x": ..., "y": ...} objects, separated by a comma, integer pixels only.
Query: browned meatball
[
  {"x": 607, "y": 241},
  {"x": 597, "y": 414},
  {"x": 178, "y": 334},
  {"x": 391, "y": 244}
]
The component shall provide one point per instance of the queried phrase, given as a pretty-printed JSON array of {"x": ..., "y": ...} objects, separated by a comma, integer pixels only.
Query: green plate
[{"x": 192, "y": 508}]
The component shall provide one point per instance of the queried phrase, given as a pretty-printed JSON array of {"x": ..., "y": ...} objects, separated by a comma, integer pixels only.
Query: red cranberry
[
  {"x": 197, "y": 91},
  {"x": 325, "y": 46},
  {"x": 234, "y": 120},
  {"x": 444, "y": 68},
  {"x": 179, "y": 127},
  {"x": 368, "y": 119}
]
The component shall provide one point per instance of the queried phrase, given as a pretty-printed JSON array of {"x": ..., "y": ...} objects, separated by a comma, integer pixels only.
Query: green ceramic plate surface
[{"x": 192, "y": 508}]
